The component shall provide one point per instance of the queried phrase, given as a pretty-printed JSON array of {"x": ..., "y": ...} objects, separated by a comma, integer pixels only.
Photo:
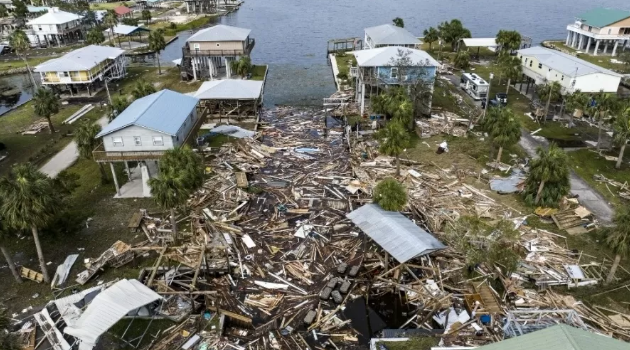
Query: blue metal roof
[{"x": 164, "y": 111}]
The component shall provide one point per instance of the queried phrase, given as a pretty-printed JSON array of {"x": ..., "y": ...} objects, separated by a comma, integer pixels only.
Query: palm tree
[
  {"x": 398, "y": 22},
  {"x": 85, "y": 137},
  {"x": 3, "y": 11},
  {"x": 508, "y": 40},
  {"x": 118, "y": 105},
  {"x": 577, "y": 102},
  {"x": 110, "y": 20},
  {"x": 462, "y": 60},
  {"x": 95, "y": 36},
  {"x": 46, "y": 104},
  {"x": 618, "y": 239},
  {"x": 142, "y": 89},
  {"x": 503, "y": 127},
  {"x": 390, "y": 195},
  {"x": 548, "y": 179},
  {"x": 602, "y": 106},
  {"x": 20, "y": 44},
  {"x": 157, "y": 44},
  {"x": 180, "y": 174},
  {"x": 394, "y": 139},
  {"x": 550, "y": 92},
  {"x": 431, "y": 35},
  {"x": 511, "y": 68},
  {"x": 242, "y": 66},
  {"x": 146, "y": 16},
  {"x": 621, "y": 127},
  {"x": 29, "y": 201},
  {"x": 6, "y": 254},
  {"x": 452, "y": 32}
]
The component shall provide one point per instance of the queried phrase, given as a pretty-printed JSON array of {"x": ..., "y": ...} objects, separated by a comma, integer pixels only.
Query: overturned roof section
[
  {"x": 221, "y": 32},
  {"x": 559, "y": 337},
  {"x": 84, "y": 58},
  {"x": 122, "y": 10},
  {"x": 388, "y": 34},
  {"x": 108, "y": 308},
  {"x": 55, "y": 16},
  {"x": 399, "y": 236},
  {"x": 480, "y": 42},
  {"x": 164, "y": 111},
  {"x": 230, "y": 89},
  {"x": 568, "y": 65},
  {"x": 386, "y": 56}
]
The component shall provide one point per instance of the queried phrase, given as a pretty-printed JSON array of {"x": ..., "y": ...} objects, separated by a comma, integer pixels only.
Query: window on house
[
  {"x": 562, "y": 77},
  {"x": 539, "y": 65},
  {"x": 218, "y": 44},
  {"x": 39, "y": 28},
  {"x": 137, "y": 140},
  {"x": 550, "y": 69},
  {"x": 526, "y": 59},
  {"x": 394, "y": 73},
  {"x": 196, "y": 47},
  {"x": 530, "y": 63},
  {"x": 158, "y": 141},
  {"x": 117, "y": 141},
  {"x": 65, "y": 74}
]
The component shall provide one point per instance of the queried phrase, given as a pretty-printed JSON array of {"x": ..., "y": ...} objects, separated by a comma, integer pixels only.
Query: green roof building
[
  {"x": 559, "y": 337},
  {"x": 596, "y": 30}
]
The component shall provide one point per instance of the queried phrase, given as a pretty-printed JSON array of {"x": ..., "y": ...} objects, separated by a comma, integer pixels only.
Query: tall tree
[
  {"x": 621, "y": 135},
  {"x": 46, "y": 104},
  {"x": 511, "y": 68},
  {"x": 452, "y": 32},
  {"x": 82, "y": 6},
  {"x": 548, "y": 178},
  {"x": 602, "y": 106},
  {"x": 618, "y": 239},
  {"x": 85, "y": 137},
  {"x": 146, "y": 16},
  {"x": 142, "y": 88},
  {"x": 30, "y": 201},
  {"x": 95, "y": 36},
  {"x": 394, "y": 139},
  {"x": 157, "y": 44},
  {"x": 462, "y": 60},
  {"x": 390, "y": 194},
  {"x": 576, "y": 103},
  {"x": 180, "y": 174},
  {"x": 19, "y": 10},
  {"x": 110, "y": 20},
  {"x": 431, "y": 35},
  {"x": 503, "y": 128},
  {"x": 4, "y": 234},
  {"x": 508, "y": 41},
  {"x": 3, "y": 11},
  {"x": 90, "y": 19},
  {"x": 399, "y": 22},
  {"x": 550, "y": 92},
  {"x": 20, "y": 44},
  {"x": 119, "y": 104}
]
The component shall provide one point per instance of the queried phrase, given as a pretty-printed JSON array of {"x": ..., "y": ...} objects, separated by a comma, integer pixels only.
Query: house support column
[
  {"x": 614, "y": 52},
  {"x": 596, "y": 47},
  {"x": 568, "y": 38},
  {"x": 362, "y": 98},
  {"x": 588, "y": 44},
  {"x": 111, "y": 166},
  {"x": 128, "y": 171},
  {"x": 574, "y": 39},
  {"x": 605, "y": 47},
  {"x": 580, "y": 42},
  {"x": 194, "y": 69}
]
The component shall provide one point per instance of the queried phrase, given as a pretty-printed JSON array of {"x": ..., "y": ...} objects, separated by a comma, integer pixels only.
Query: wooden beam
[{"x": 155, "y": 267}]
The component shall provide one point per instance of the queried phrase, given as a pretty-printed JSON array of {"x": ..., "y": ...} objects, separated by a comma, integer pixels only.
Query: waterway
[
  {"x": 14, "y": 91},
  {"x": 291, "y": 36}
]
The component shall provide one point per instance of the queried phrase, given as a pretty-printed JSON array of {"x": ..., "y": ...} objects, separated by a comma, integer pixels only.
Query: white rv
[{"x": 474, "y": 85}]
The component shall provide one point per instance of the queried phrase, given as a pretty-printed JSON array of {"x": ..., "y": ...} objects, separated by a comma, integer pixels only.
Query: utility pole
[{"x": 488, "y": 96}]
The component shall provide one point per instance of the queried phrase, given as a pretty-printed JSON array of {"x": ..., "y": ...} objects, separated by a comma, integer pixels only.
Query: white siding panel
[
  {"x": 146, "y": 137},
  {"x": 597, "y": 82}
]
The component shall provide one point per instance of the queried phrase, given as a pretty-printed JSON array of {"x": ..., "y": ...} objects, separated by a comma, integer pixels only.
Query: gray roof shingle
[{"x": 388, "y": 34}]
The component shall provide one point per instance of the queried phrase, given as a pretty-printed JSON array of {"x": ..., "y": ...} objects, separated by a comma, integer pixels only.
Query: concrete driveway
[{"x": 67, "y": 156}]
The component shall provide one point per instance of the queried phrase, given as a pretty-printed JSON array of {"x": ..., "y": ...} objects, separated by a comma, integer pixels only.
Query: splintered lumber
[
  {"x": 31, "y": 275},
  {"x": 241, "y": 179},
  {"x": 134, "y": 222},
  {"x": 156, "y": 267}
]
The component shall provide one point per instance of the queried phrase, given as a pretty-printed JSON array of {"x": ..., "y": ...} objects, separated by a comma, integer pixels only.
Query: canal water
[
  {"x": 14, "y": 90},
  {"x": 291, "y": 36}
]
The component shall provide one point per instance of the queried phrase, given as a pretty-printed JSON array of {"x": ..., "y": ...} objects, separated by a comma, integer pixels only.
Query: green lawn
[
  {"x": 169, "y": 30},
  {"x": 259, "y": 71},
  {"x": 6, "y": 65},
  {"x": 344, "y": 62}
]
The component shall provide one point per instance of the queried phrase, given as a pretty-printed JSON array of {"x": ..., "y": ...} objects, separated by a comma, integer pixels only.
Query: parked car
[
  {"x": 502, "y": 98},
  {"x": 493, "y": 103}
]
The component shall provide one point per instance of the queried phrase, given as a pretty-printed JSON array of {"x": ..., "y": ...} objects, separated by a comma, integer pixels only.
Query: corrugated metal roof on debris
[{"x": 396, "y": 234}]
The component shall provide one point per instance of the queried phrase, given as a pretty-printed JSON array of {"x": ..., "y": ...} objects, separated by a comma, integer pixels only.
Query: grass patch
[
  {"x": 169, "y": 79},
  {"x": 6, "y": 65},
  {"x": 587, "y": 163},
  {"x": 170, "y": 31},
  {"x": 344, "y": 62},
  {"x": 135, "y": 330},
  {"x": 259, "y": 71}
]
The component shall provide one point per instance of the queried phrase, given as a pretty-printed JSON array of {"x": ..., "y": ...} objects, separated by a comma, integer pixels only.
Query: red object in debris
[{"x": 122, "y": 10}]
